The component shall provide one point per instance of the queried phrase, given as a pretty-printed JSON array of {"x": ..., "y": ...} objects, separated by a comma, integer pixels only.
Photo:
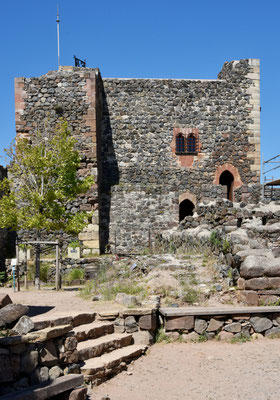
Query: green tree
[{"x": 42, "y": 181}]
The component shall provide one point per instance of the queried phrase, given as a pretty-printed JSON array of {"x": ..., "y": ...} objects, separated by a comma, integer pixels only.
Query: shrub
[
  {"x": 86, "y": 292},
  {"x": 75, "y": 274},
  {"x": 109, "y": 292},
  {"x": 190, "y": 295}
]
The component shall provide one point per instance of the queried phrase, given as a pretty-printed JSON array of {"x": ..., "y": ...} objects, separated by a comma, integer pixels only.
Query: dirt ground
[
  {"x": 195, "y": 371},
  {"x": 50, "y": 303},
  {"x": 200, "y": 371}
]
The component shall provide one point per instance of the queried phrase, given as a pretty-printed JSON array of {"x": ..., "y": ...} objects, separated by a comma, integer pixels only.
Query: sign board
[{"x": 13, "y": 261}]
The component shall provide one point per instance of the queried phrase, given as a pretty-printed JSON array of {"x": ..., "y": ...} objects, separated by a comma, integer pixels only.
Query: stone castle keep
[{"x": 155, "y": 146}]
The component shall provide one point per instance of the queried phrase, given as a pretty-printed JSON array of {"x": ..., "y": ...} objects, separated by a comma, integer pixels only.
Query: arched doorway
[
  {"x": 226, "y": 178},
  {"x": 185, "y": 209}
]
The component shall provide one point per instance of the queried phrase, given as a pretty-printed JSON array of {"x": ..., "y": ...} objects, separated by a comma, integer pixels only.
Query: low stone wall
[
  {"x": 49, "y": 350},
  {"x": 30, "y": 359},
  {"x": 227, "y": 326}
]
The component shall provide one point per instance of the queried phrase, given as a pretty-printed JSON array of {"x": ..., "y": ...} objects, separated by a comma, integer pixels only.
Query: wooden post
[
  {"x": 37, "y": 266},
  {"x": 57, "y": 286},
  {"x": 25, "y": 268},
  {"x": 17, "y": 257}
]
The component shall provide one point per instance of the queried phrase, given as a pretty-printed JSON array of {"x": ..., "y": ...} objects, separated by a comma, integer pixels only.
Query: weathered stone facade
[{"x": 127, "y": 130}]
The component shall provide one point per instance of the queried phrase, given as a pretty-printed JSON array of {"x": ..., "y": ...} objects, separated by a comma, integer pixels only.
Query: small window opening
[
  {"x": 180, "y": 143},
  {"x": 185, "y": 209},
  {"x": 227, "y": 179},
  {"x": 191, "y": 144},
  {"x": 239, "y": 222},
  {"x": 264, "y": 220}
]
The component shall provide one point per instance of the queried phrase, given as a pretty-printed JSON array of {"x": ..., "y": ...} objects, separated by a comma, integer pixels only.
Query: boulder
[
  {"x": 127, "y": 300},
  {"x": 55, "y": 372},
  {"x": 5, "y": 300},
  {"x": 224, "y": 336},
  {"x": 261, "y": 324},
  {"x": 253, "y": 266},
  {"x": 273, "y": 332},
  {"x": 40, "y": 375},
  {"x": 143, "y": 337},
  {"x": 131, "y": 324},
  {"x": 191, "y": 337},
  {"x": 235, "y": 327},
  {"x": 239, "y": 237},
  {"x": 11, "y": 313},
  {"x": 24, "y": 325},
  {"x": 200, "y": 325}
]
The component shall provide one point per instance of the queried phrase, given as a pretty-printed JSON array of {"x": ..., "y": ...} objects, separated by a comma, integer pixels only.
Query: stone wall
[
  {"x": 143, "y": 178},
  {"x": 71, "y": 94},
  {"x": 126, "y": 130}
]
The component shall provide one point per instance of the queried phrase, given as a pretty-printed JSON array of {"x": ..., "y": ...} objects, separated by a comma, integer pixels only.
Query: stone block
[
  {"x": 48, "y": 354},
  {"x": 214, "y": 325},
  {"x": 92, "y": 244},
  {"x": 11, "y": 313},
  {"x": 46, "y": 334},
  {"x": 4, "y": 300},
  {"x": 261, "y": 324},
  {"x": 70, "y": 343},
  {"x": 257, "y": 284},
  {"x": 24, "y": 325},
  {"x": 84, "y": 318},
  {"x": 78, "y": 394},
  {"x": 55, "y": 372},
  {"x": 148, "y": 322},
  {"x": 248, "y": 297},
  {"x": 225, "y": 336},
  {"x": 179, "y": 323},
  {"x": 190, "y": 337},
  {"x": 200, "y": 325},
  {"x": 235, "y": 327},
  {"x": 143, "y": 337}
]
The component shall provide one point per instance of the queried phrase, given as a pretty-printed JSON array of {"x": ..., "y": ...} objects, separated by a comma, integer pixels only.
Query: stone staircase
[{"x": 102, "y": 352}]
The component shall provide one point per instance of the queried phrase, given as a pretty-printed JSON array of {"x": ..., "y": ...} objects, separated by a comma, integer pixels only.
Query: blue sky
[{"x": 151, "y": 39}]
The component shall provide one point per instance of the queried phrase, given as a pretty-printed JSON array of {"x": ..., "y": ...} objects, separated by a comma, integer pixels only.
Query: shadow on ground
[{"x": 36, "y": 310}]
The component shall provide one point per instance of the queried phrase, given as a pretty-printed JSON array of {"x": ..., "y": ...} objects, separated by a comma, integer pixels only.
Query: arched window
[
  {"x": 191, "y": 143},
  {"x": 180, "y": 143},
  {"x": 226, "y": 178}
]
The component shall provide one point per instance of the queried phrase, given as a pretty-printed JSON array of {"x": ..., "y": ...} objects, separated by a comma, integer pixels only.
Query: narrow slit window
[
  {"x": 191, "y": 144},
  {"x": 180, "y": 144}
]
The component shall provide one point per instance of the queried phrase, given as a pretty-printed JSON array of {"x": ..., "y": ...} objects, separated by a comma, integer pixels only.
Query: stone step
[
  {"x": 97, "y": 370},
  {"x": 47, "y": 390},
  {"x": 96, "y": 347},
  {"x": 74, "y": 319},
  {"x": 93, "y": 330}
]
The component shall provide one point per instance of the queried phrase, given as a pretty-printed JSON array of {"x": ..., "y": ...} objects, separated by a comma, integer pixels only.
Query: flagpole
[{"x": 58, "y": 50}]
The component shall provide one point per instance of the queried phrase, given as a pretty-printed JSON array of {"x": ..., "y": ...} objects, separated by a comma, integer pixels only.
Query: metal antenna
[{"x": 58, "y": 50}]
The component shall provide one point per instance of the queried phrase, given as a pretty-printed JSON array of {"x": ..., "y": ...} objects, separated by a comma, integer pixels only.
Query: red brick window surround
[{"x": 187, "y": 144}]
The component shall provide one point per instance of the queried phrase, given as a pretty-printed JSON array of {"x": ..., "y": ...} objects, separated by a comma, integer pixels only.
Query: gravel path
[{"x": 200, "y": 371}]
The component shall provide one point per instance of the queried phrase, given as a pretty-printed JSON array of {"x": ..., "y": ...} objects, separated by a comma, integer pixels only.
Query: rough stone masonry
[{"x": 155, "y": 146}]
